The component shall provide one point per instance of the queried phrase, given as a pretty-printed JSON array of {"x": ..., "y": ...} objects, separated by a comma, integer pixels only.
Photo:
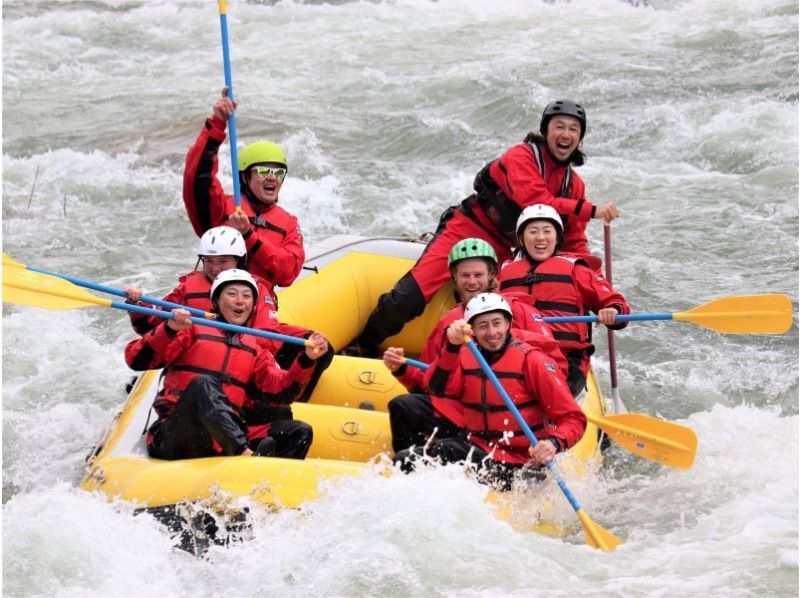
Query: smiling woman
[
  {"x": 209, "y": 374},
  {"x": 233, "y": 295}
]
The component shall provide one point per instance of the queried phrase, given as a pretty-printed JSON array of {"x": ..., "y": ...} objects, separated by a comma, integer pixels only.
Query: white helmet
[
  {"x": 233, "y": 275},
  {"x": 222, "y": 240},
  {"x": 539, "y": 211},
  {"x": 485, "y": 303}
]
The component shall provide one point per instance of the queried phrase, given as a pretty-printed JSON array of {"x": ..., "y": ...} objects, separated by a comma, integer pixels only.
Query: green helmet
[
  {"x": 470, "y": 248},
  {"x": 259, "y": 153}
]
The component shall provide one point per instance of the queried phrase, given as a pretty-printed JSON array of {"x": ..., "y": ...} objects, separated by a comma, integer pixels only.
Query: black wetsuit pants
[
  {"x": 202, "y": 413},
  {"x": 499, "y": 475},
  {"x": 412, "y": 419}
]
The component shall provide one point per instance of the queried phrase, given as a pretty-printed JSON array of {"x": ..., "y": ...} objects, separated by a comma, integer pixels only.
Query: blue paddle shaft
[
  {"x": 523, "y": 424},
  {"x": 620, "y": 318},
  {"x": 226, "y": 61},
  {"x": 417, "y": 364},
  {"x": 213, "y": 323}
]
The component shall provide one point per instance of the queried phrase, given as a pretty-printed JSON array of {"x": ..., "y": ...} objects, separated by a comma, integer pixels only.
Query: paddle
[
  {"x": 612, "y": 352},
  {"x": 24, "y": 287},
  {"x": 658, "y": 440},
  {"x": 596, "y": 535},
  {"x": 741, "y": 314},
  {"x": 226, "y": 61},
  {"x": 8, "y": 261}
]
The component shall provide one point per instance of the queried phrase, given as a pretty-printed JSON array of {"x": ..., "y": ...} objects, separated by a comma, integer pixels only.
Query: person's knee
[
  {"x": 203, "y": 385},
  {"x": 398, "y": 405},
  {"x": 305, "y": 432},
  {"x": 202, "y": 394}
]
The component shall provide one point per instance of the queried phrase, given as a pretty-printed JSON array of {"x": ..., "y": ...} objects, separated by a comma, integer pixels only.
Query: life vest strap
[
  {"x": 224, "y": 378},
  {"x": 487, "y": 435},
  {"x": 264, "y": 223},
  {"x": 484, "y": 408},
  {"x": 228, "y": 339},
  {"x": 557, "y": 306},
  {"x": 481, "y": 374}
]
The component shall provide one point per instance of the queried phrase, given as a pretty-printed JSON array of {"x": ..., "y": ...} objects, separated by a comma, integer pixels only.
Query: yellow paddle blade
[
  {"x": 743, "y": 314},
  {"x": 596, "y": 535},
  {"x": 661, "y": 441},
  {"x": 23, "y": 287}
]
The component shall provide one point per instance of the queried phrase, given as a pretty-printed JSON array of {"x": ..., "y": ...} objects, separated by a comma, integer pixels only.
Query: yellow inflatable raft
[{"x": 336, "y": 294}]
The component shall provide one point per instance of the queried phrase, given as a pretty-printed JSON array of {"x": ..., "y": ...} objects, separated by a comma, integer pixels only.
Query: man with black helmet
[
  {"x": 272, "y": 235},
  {"x": 540, "y": 171},
  {"x": 537, "y": 171}
]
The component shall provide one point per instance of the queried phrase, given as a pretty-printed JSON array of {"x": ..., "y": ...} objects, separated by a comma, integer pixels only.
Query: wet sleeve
[
  {"x": 282, "y": 386},
  {"x": 597, "y": 294},
  {"x": 555, "y": 398},
  {"x": 158, "y": 348},
  {"x": 414, "y": 378},
  {"x": 519, "y": 178},
  {"x": 205, "y": 200}
]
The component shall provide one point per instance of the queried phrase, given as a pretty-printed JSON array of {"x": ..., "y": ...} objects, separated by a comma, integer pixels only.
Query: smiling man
[
  {"x": 537, "y": 171},
  {"x": 495, "y": 442},
  {"x": 272, "y": 235}
]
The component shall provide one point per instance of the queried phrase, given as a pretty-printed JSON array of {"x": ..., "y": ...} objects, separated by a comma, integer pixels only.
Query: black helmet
[{"x": 566, "y": 107}]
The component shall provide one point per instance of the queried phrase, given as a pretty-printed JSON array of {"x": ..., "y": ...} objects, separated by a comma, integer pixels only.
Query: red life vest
[
  {"x": 446, "y": 407},
  {"x": 549, "y": 286},
  {"x": 272, "y": 225},
  {"x": 530, "y": 329},
  {"x": 196, "y": 288},
  {"x": 492, "y": 426},
  {"x": 502, "y": 211},
  {"x": 231, "y": 358}
]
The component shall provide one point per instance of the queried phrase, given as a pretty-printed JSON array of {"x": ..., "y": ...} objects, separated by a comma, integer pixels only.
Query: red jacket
[
  {"x": 275, "y": 243},
  {"x": 199, "y": 350},
  {"x": 533, "y": 383},
  {"x": 524, "y": 317},
  {"x": 517, "y": 176},
  {"x": 561, "y": 286}
]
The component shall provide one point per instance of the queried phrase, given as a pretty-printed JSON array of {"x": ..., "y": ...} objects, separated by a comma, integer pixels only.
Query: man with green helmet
[
  {"x": 418, "y": 415},
  {"x": 272, "y": 235}
]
